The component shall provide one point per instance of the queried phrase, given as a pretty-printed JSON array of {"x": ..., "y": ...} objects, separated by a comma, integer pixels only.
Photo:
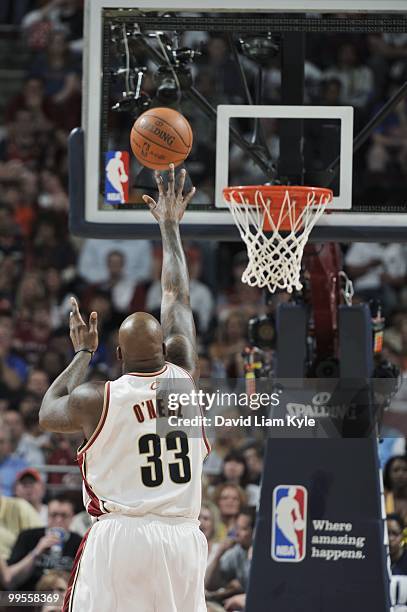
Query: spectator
[
  {"x": 10, "y": 463},
  {"x": 356, "y": 78},
  {"x": 32, "y": 99},
  {"x": 59, "y": 15},
  {"x": 23, "y": 210},
  {"x": 52, "y": 362},
  {"x": 226, "y": 350},
  {"x": 209, "y": 525},
  {"x": 55, "y": 581},
  {"x": 377, "y": 270},
  {"x": 42, "y": 439},
  {"x": 388, "y": 52},
  {"x": 22, "y": 443},
  {"x": 40, "y": 550},
  {"x": 33, "y": 332},
  {"x": 92, "y": 264},
  {"x": 229, "y": 498},
  {"x": 235, "y": 472},
  {"x": 60, "y": 71},
  {"x": 120, "y": 287},
  {"x": 8, "y": 282},
  {"x": 392, "y": 442},
  {"x": 15, "y": 516},
  {"x": 331, "y": 92},
  {"x": 30, "y": 486},
  {"x": 10, "y": 235},
  {"x": 30, "y": 293},
  {"x": 20, "y": 141},
  {"x": 58, "y": 298},
  {"x": 388, "y": 150},
  {"x": 225, "y": 440},
  {"x": 37, "y": 382},
  {"x": 395, "y": 484},
  {"x": 13, "y": 369},
  {"x": 52, "y": 195},
  {"x": 225, "y": 72},
  {"x": 50, "y": 247},
  {"x": 231, "y": 564},
  {"x": 398, "y": 554},
  {"x": 62, "y": 454},
  {"x": 254, "y": 460}
]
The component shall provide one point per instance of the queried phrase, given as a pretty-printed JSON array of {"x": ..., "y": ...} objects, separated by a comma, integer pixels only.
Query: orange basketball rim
[{"x": 275, "y": 222}]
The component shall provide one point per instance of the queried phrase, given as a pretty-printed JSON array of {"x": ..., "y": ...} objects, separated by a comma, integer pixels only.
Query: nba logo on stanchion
[
  {"x": 116, "y": 177},
  {"x": 289, "y": 523}
]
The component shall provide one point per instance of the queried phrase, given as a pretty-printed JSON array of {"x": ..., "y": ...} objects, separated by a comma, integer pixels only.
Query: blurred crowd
[{"x": 41, "y": 266}]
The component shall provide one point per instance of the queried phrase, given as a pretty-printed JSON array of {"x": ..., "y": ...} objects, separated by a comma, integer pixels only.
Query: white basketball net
[{"x": 275, "y": 259}]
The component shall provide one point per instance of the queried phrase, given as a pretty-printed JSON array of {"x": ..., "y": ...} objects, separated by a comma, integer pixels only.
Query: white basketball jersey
[{"x": 130, "y": 465}]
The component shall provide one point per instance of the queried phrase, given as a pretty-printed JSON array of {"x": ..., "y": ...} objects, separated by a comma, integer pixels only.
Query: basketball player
[{"x": 144, "y": 551}]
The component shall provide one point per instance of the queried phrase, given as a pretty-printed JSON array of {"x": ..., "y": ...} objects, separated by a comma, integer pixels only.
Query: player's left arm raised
[{"x": 67, "y": 400}]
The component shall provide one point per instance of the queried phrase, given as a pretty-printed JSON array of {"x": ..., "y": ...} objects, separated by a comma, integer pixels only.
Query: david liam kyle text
[{"x": 251, "y": 420}]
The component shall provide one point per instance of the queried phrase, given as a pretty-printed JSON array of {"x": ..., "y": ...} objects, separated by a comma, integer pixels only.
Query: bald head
[{"x": 141, "y": 343}]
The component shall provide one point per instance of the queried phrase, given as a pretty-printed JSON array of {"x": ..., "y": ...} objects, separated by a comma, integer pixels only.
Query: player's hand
[
  {"x": 82, "y": 335},
  {"x": 171, "y": 203}
]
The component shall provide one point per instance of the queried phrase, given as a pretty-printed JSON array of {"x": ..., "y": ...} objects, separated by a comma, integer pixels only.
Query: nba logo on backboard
[
  {"x": 289, "y": 523},
  {"x": 116, "y": 177}
]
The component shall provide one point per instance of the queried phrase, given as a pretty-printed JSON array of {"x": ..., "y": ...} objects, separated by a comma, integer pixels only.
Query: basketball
[{"x": 161, "y": 136}]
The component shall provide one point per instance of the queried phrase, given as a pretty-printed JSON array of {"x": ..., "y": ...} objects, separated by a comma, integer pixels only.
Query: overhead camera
[
  {"x": 175, "y": 76},
  {"x": 168, "y": 89},
  {"x": 260, "y": 49},
  {"x": 171, "y": 81}
]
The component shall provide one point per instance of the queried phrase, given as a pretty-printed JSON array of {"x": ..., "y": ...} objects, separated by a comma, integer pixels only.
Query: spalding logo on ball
[{"x": 161, "y": 136}]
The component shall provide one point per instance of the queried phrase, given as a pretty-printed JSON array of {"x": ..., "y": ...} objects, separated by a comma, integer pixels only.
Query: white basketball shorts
[{"x": 143, "y": 564}]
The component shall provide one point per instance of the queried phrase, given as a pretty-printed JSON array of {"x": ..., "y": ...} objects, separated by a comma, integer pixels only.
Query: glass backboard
[{"x": 232, "y": 81}]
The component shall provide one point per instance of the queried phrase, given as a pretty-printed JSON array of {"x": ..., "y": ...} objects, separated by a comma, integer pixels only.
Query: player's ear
[{"x": 119, "y": 354}]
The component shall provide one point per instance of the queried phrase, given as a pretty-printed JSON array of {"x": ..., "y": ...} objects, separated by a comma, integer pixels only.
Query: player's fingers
[
  {"x": 171, "y": 179},
  {"x": 181, "y": 182},
  {"x": 160, "y": 182},
  {"x": 76, "y": 315},
  {"x": 152, "y": 204},
  {"x": 149, "y": 201},
  {"x": 189, "y": 196},
  {"x": 74, "y": 305},
  {"x": 93, "y": 322}
]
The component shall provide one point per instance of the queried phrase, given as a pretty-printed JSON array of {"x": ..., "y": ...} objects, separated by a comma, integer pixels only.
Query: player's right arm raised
[{"x": 176, "y": 313}]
